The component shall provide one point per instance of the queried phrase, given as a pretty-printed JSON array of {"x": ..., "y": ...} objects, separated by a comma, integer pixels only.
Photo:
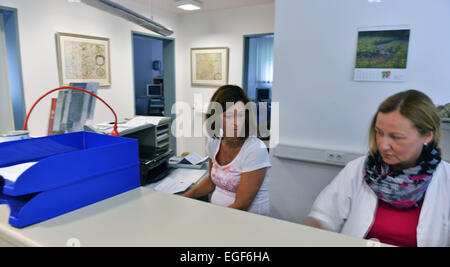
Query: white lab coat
[{"x": 348, "y": 205}]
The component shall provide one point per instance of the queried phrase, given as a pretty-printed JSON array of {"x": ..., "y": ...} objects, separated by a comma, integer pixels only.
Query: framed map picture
[
  {"x": 83, "y": 58},
  {"x": 209, "y": 66}
]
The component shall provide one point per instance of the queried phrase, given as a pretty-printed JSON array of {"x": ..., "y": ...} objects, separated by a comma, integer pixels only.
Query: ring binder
[{"x": 72, "y": 170}]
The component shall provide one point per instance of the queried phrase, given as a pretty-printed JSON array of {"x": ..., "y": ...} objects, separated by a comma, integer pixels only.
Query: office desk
[{"x": 144, "y": 217}]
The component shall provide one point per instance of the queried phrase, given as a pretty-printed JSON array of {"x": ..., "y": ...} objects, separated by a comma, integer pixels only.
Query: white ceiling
[{"x": 169, "y": 5}]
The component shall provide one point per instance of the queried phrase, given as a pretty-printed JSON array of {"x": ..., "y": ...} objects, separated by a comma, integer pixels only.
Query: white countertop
[{"x": 144, "y": 217}]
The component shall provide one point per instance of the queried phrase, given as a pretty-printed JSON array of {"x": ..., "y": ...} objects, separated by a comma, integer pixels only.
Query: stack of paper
[
  {"x": 139, "y": 121},
  {"x": 107, "y": 127},
  {"x": 11, "y": 173}
]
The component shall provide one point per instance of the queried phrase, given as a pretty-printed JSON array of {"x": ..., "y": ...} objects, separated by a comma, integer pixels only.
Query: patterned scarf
[{"x": 404, "y": 188}]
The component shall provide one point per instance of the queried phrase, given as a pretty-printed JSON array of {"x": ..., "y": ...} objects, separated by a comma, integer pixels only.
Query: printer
[{"x": 154, "y": 147}]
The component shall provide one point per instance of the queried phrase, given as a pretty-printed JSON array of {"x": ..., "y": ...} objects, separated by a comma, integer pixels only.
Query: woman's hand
[{"x": 205, "y": 187}]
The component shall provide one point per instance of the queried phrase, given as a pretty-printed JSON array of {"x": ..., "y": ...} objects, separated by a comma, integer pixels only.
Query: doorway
[
  {"x": 154, "y": 76},
  {"x": 258, "y": 77},
  {"x": 11, "y": 85}
]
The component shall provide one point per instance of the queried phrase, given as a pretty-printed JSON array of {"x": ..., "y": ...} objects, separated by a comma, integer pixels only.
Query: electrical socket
[{"x": 336, "y": 157}]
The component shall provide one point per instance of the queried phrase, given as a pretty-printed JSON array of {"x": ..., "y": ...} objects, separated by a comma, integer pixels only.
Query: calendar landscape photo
[{"x": 382, "y": 49}]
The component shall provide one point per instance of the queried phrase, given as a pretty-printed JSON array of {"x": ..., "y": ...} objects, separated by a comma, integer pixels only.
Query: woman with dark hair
[
  {"x": 400, "y": 192},
  {"x": 238, "y": 160}
]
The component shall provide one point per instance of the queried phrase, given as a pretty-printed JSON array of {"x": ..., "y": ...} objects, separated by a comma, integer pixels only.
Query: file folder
[{"x": 72, "y": 170}]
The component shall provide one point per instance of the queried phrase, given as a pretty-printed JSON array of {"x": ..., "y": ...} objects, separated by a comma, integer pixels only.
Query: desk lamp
[{"x": 114, "y": 131}]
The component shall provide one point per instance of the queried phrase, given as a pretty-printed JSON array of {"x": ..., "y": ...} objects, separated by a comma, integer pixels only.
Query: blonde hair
[{"x": 415, "y": 106}]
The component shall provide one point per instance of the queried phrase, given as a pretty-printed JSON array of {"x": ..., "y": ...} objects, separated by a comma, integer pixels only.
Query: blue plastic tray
[{"x": 73, "y": 170}]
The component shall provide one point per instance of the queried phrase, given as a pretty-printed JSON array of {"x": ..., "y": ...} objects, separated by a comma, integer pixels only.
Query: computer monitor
[
  {"x": 154, "y": 90},
  {"x": 74, "y": 108}
]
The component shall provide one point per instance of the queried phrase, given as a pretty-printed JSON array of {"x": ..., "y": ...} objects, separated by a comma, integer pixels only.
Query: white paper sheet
[
  {"x": 195, "y": 158},
  {"x": 171, "y": 186},
  {"x": 11, "y": 173},
  {"x": 178, "y": 180},
  {"x": 139, "y": 121},
  {"x": 187, "y": 175}
]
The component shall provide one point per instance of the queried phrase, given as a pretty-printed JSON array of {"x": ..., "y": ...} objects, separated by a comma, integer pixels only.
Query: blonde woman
[{"x": 400, "y": 192}]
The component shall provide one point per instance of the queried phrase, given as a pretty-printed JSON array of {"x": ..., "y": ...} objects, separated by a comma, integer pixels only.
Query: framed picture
[
  {"x": 209, "y": 66},
  {"x": 83, "y": 58},
  {"x": 382, "y": 53}
]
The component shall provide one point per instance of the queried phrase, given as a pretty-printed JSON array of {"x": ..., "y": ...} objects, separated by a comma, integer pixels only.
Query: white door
[{"x": 6, "y": 111}]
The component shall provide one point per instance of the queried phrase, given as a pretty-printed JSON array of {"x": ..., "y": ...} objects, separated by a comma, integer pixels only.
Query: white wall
[
  {"x": 315, "y": 51},
  {"x": 216, "y": 29},
  {"x": 38, "y": 23},
  {"x": 320, "y": 105}
]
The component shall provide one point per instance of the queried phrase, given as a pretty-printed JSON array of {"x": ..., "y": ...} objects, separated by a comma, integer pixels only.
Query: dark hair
[
  {"x": 415, "y": 106},
  {"x": 230, "y": 94}
]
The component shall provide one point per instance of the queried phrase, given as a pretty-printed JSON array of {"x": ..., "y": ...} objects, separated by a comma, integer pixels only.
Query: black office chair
[{"x": 262, "y": 94}]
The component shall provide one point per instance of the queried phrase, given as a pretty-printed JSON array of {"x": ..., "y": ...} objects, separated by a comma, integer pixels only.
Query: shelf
[
  {"x": 160, "y": 138},
  {"x": 160, "y": 132},
  {"x": 161, "y": 145}
]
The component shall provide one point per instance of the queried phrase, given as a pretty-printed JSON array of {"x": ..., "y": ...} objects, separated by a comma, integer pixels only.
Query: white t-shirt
[{"x": 252, "y": 156}]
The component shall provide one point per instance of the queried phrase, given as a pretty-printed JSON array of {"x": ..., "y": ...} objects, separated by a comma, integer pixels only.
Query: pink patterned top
[{"x": 252, "y": 156}]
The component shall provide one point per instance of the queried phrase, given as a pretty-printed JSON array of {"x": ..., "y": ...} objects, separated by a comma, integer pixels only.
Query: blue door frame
[
  {"x": 14, "y": 65},
  {"x": 169, "y": 74},
  {"x": 246, "y": 56}
]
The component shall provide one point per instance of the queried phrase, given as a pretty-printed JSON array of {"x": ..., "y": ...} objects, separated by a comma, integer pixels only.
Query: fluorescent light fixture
[
  {"x": 188, "y": 7},
  {"x": 189, "y": 4},
  {"x": 123, "y": 12}
]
